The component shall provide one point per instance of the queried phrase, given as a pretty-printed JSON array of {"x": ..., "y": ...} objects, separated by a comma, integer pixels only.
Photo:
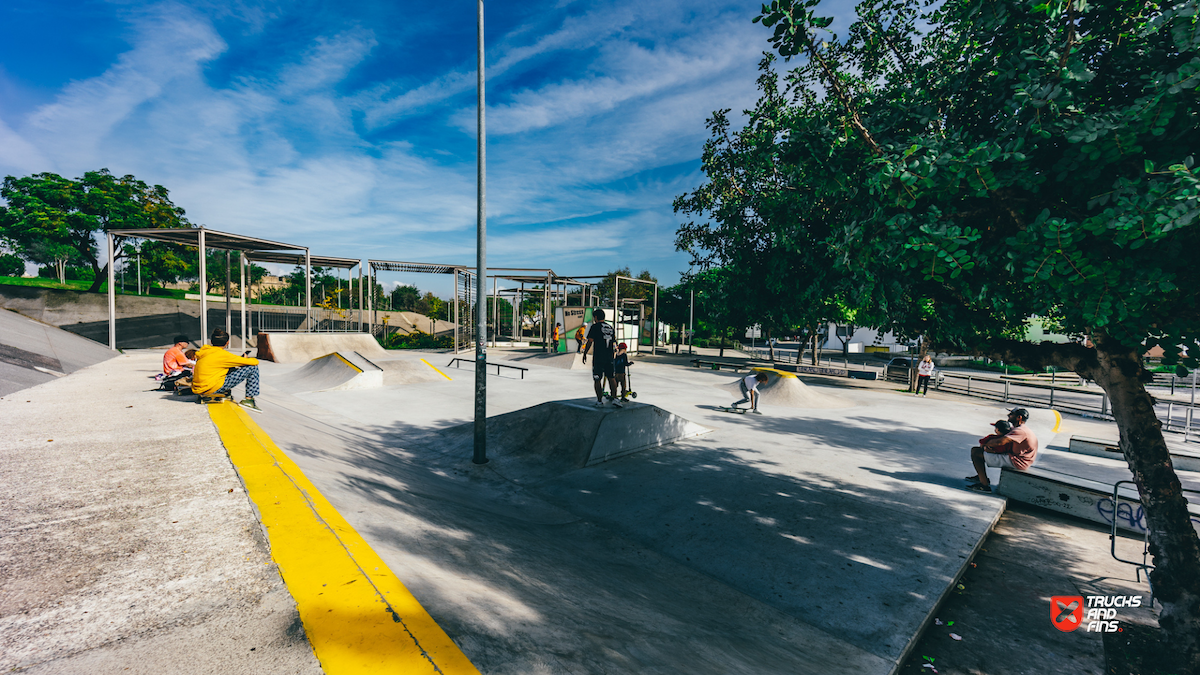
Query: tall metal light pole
[{"x": 481, "y": 272}]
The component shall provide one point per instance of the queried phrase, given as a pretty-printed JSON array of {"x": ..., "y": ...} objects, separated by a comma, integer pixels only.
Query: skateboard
[{"x": 740, "y": 411}]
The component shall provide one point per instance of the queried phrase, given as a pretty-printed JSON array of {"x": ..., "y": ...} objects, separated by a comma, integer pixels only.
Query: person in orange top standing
[
  {"x": 175, "y": 361},
  {"x": 218, "y": 371}
]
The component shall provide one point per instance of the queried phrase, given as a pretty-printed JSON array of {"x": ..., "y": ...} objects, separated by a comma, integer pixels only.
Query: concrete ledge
[
  {"x": 1181, "y": 459},
  {"x": 1080, "y": 497}
]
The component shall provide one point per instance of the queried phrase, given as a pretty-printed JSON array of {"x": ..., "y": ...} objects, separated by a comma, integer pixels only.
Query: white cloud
[{"x": 574, "y": 162}]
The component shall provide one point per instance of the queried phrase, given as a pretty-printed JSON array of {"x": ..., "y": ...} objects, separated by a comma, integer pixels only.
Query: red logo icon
[{"x": 1066, "y": 612}]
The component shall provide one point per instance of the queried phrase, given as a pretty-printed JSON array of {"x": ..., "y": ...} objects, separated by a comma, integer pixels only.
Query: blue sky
[{"x": 350, "y": 127}]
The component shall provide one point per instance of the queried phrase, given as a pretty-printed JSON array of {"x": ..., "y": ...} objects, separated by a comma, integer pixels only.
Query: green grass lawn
[{"x": 81, "y": 285}]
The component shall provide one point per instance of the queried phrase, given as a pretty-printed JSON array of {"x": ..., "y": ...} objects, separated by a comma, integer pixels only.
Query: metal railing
[
  {"x": 458, "y": 359},
  {"x": 1175, "y": 416}
]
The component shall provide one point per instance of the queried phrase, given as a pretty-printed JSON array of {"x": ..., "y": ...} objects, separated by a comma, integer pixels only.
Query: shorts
[
  {"x": 601, "y": 370},
  {"x": 999, "y": 460}
]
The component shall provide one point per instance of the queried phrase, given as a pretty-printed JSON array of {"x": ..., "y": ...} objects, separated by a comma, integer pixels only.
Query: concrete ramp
[
  {"x": 536, "y": 444},
  {"x": 32, "y": 352},
  {"x": 332, "y": 372},
  {"x": 301, "y": 347},
  {"x": 407, "y": 371},
  {"x": 785, "y": 389}
]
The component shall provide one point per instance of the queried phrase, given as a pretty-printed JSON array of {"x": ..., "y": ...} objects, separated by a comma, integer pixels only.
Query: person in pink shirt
[
  {"x": 175, "y": 361},
  {"x": 1016, "y": 450}
]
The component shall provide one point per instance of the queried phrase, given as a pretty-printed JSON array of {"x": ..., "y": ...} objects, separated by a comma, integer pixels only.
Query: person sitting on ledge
[
  {"x": 176, "y": 361},
  {"x": 218, "y": 372},
  {"x": 1016, "y": 450}
]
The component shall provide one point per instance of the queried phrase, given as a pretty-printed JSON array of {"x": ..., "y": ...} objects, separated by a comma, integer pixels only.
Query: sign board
[{"x": 754, "y": 332}]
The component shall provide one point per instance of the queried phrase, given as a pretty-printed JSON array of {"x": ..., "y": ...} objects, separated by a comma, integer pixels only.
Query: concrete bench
[
  {"x": 1184, "y": 460},
  {"x": 1081, "y": 497}
]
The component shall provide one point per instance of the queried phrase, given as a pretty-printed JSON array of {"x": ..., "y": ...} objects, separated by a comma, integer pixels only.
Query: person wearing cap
[
  {"x": 1016, "y": 450},
  {"x": 620, "y": 363},
  {"x": 175, "y": 361}
]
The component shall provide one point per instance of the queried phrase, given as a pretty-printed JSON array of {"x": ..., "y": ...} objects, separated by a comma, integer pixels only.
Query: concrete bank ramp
[
  {"x": 408, "y": 371},
  {"x": 332, "y": 372},
  {"x": 32, "y": 352},
  {"x": 785, "y": 389},
  {"x": 536, "y": 444},
  {"x": 301, "y": 347}
]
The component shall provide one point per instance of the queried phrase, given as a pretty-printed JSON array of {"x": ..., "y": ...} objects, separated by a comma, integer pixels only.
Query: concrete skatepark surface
[
  {"x": 32, "y": 352},
  {"x": 805, "y": 540},
  {"x": 829, "y": 533},
  {"x": 127, "y": 544}
]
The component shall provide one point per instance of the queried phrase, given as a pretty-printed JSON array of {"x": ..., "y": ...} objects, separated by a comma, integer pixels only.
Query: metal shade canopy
[
  {"x": 224, "y": 241},
  {"x": 204, "y": 239},
  {"x": 298, "y": 259}
]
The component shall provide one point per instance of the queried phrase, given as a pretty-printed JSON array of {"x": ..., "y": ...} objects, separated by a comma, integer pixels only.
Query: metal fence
[
  {"x": 1082, "y": 399},
  {"x": 276, "y": 319}
]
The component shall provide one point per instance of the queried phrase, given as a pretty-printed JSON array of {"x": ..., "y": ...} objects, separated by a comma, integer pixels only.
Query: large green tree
[
  {"x": 54, "y": 220},
  {"x": 982, "y": 161}
]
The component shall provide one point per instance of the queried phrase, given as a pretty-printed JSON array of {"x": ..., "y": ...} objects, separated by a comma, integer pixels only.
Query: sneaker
[
  {"x": 980, "y": 487},
  {"x": 598, "y": 404},
  {"x": 972, "y": 478},
  {"x": 249, "y": 404},
  {"x": 756, "y": 412},
  {"x": 617, "y": 403}
]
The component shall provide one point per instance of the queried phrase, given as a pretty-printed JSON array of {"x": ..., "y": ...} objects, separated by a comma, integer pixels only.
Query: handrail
[{"x": 454, "y": 361}]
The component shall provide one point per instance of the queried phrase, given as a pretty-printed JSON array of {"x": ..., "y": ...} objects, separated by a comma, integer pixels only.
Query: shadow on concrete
[{"x": 695, "y": 557}]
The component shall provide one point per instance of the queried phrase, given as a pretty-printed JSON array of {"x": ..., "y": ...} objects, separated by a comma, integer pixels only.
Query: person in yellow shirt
[{"x": 218, "y": 371}]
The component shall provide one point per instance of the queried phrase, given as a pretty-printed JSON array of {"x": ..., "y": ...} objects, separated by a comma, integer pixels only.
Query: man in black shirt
[{"x": 602, "y": 336}]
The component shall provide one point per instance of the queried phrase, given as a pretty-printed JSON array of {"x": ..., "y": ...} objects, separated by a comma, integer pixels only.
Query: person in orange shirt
[
  {"x": 218, "y": 371},
  {"x": 175, "y": 361}
]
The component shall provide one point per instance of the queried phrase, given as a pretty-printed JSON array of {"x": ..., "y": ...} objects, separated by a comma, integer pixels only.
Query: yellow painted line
[
  {"x": 1057, "y": 420},
  {"x": 358, "y": 616},
  {"x": 343, "y": 361},
  {"x": 435, "y": 368},
  {"x": 780, "y": 373}
]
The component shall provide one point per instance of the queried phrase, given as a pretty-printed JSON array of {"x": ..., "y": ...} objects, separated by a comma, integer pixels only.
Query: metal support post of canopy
[{"x": 201, "y": 238}]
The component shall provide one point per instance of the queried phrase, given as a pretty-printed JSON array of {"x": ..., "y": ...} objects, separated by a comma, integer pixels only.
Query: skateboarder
[
  {"x": 749, "y": 387},
  {"x": 1016, "y": 450},
  {"x": 218, "y": 372},
  {"x": 601, "y": 335},
  {"x": 579, "y": 339}
]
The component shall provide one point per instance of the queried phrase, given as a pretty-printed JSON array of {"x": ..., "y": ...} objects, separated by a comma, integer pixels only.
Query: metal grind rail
[
  {"x": 1175, "y": 416},
  {"x": 456, "y": 360}
]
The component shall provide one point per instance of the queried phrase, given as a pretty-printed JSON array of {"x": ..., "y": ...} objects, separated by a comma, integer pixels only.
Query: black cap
[
  {"x": 181, "y": 338},
  {"x": 1019, "y": 412}
]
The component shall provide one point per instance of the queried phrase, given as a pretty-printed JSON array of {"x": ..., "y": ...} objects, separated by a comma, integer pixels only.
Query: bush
[
  {"x": 417, "y": 340},
  {"x": 11, "y": 265}
]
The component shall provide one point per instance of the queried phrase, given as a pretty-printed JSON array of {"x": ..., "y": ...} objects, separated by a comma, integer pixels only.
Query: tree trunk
[
  {"x": 815, "y": 359},
  {"x": 770, "y": 347},
  {"x": 1173, "y": 541},
  {"x": 101, "y": 277}
]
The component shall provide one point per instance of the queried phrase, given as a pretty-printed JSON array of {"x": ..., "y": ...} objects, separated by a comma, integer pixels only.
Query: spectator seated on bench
[
  {"x": 1015, "y": 450},
  {"x": 217, "y": 371}
]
